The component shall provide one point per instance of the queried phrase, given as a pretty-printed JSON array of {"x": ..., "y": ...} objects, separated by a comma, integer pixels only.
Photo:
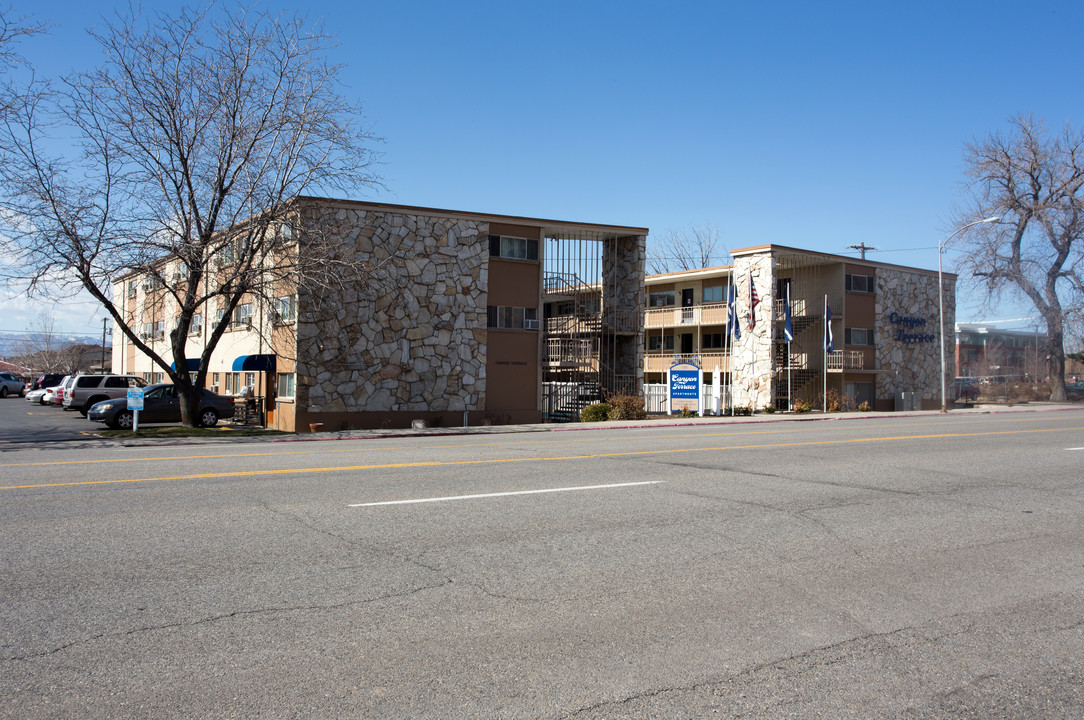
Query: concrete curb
[{"x": 651, "y": 423}]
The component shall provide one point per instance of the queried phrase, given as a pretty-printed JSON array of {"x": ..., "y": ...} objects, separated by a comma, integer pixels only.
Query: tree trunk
[{"x": 1055, "y": 350}]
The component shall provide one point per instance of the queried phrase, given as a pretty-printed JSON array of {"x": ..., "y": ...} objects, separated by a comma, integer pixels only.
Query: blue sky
[{"x": 819, "y": 125}]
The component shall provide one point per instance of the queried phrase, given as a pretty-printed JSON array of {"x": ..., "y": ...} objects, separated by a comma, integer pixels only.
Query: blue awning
[
  {"x": 192, "y": 363},
  {"x": 257, "y": 363}
]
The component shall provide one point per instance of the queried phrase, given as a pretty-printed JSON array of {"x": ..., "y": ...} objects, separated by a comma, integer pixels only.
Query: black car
[
  {"x": 46, "y": 381},
  {"x": 161, "y": 405}
]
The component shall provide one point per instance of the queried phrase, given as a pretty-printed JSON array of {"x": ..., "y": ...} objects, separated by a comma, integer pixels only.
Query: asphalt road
[{"x": 898, "y": 567}]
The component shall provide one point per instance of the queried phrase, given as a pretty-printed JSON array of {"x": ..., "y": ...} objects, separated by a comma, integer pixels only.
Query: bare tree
[
  {"x": 44, "y": 349},
  {"x": 1034, "y": 181},
  {"x": 193, "y": 141},
  {"x": 690, "y": 249}
]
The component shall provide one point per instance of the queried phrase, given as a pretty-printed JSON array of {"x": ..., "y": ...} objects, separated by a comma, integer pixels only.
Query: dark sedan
[{"x": 161, "y": 405}]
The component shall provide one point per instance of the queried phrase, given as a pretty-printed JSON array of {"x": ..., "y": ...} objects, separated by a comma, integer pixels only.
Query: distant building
[{"x": 985, "y": 351}]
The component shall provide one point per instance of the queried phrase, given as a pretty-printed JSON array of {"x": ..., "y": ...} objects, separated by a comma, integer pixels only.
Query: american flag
[{"x": 753, "y": 302}]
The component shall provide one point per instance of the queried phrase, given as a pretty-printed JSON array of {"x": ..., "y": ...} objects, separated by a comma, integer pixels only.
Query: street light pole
[{"x": 941, "y": 297}]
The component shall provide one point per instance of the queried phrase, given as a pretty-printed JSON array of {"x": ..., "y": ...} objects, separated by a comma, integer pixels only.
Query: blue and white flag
[
  {"x": 731, "y": 316},
  {"x": 828, "y": 345},
  {"x": 788, "y": 330}
]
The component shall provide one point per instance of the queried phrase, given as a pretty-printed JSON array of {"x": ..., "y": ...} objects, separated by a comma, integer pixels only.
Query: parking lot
[{"x": 24, "y": 422}]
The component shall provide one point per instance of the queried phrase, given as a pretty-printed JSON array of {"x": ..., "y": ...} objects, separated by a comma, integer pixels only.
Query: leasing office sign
[{"x": 684, "y": 387}]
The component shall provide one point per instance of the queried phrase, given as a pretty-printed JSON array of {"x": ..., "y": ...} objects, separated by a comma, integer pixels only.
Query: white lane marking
[
  {"x": 505, "y": 494},
  {"x": 1079, "y": 448}
]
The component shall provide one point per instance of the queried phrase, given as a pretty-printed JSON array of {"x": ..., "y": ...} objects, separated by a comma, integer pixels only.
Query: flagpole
[
  {"x": 752, "y": 326},
  {"x": 825, "y": 344},
  {"x": 727, "y": 350},
  {"x": 729, "y": 314},
  {"x": 786, "y": 311}
]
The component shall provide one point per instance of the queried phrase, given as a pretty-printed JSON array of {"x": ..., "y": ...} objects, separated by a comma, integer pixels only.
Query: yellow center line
[
  {"x": 324, "y": 451},
  {"x": 592, "y": 456}
]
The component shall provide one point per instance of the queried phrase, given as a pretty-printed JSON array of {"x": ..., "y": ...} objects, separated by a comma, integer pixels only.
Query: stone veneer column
[
  {"x": 623, "y": 261},
  {"x": 419, "y": 346},
  {"x": 751, "y": 356},
  {"x": 912, "y": 366}
]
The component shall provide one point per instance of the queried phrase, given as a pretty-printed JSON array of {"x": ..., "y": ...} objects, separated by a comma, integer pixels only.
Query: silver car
[{"x": 11, "y": 385}]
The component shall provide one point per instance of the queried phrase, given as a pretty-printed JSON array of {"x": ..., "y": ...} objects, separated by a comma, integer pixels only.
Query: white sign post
[{"x": 135, "y": 404}]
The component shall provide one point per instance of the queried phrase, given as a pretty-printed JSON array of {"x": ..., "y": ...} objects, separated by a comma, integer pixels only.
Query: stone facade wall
[
  {"x": 907, "y": 334},
  {"x": 623, "y": 278},
  {"x": 752, "y": 354},
  {"x": 419, "y": 344}
]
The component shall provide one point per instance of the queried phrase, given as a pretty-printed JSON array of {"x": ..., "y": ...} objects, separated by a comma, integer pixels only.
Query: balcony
[
  {"x": 618, "y": 321},
  {"x": 570, "y": 353},
  {"x": 713, "y": 314},
  {"x": 841, "y": 360},
  {"x": 658, "y": 361}
]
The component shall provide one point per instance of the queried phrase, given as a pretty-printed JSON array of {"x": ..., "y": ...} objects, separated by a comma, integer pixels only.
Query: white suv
[{"x": 89, "y": 389}]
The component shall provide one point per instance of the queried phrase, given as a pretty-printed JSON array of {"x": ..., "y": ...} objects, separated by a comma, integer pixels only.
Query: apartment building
[
  {"x": 985, "y": 351},
  {"x": 884, "y": 326},
  {"x": 455, "y": 334}
]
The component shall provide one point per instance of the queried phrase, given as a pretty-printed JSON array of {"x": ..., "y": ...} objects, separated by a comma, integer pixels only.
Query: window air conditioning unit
[{"x": 530, "y": 324}]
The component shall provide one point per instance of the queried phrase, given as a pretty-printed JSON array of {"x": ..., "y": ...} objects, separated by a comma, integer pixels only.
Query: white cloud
[{"x": 77, "y": 315}]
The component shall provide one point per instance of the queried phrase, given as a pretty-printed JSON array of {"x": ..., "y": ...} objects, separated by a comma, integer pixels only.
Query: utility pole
[
  {"x": 862, "y": 247},
  {"x": 104, "y": 321}
]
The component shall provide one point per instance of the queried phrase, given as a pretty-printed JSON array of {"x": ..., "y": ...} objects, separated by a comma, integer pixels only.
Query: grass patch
[{"x": 180, "y": 431}]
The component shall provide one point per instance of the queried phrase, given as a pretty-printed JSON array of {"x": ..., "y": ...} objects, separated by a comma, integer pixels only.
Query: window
[
  {"x": 148, "y": 331},
  {"x": 513, "y": 247},
  {"x": 859, "y": 283},
  {"x": 159, "y": 329},
  {"x": 713, "y": 294},
  {"x": 287, "y": 233},
  {"x": 286, "y": 385},
  {"x": 218, "y": 315},
  {"x": 711, "y": 340},
  {"x": 660, "y": 342},
  {"x": 660, "y": 299},
  {"x": 242, "y": 314},
  {"x": 857, "y": 336},
  {"x": 132, "y": 287},
  {"x": 511, "y": 318},
  {"x": 286, "y": 309},
  {"x": 197, "y": 324},
  {"x": 859, "y": 392}
]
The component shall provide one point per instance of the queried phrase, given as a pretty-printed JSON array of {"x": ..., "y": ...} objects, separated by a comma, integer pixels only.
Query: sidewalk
[{"x": 657, "y": 421}]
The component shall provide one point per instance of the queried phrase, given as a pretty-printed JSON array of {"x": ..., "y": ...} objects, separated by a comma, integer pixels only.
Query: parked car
[
  {"x": 46, "y": 381},
  {"x": 161, "y": 405},
  {"x": 59, "y": 390},
  {"x": 966, "y": 389},
  {"x": 35, "y": 396},
  {"x": 11, "y": 385},
  {"x": 89, "y": 389},
  {"x": 1077, "y": 387}
]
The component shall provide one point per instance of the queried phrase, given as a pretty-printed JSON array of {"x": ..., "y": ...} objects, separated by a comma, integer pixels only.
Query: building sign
[
  {"x": 684, "y": 387},
  {"x": 906, "y": 325}
]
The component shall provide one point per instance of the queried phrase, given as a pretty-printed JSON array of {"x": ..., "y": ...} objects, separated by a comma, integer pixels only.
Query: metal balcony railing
[
  {"x": 713, "y": 314},
  {"x": 659, "y": 361},
  {"x": 846, "y": 360}
]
